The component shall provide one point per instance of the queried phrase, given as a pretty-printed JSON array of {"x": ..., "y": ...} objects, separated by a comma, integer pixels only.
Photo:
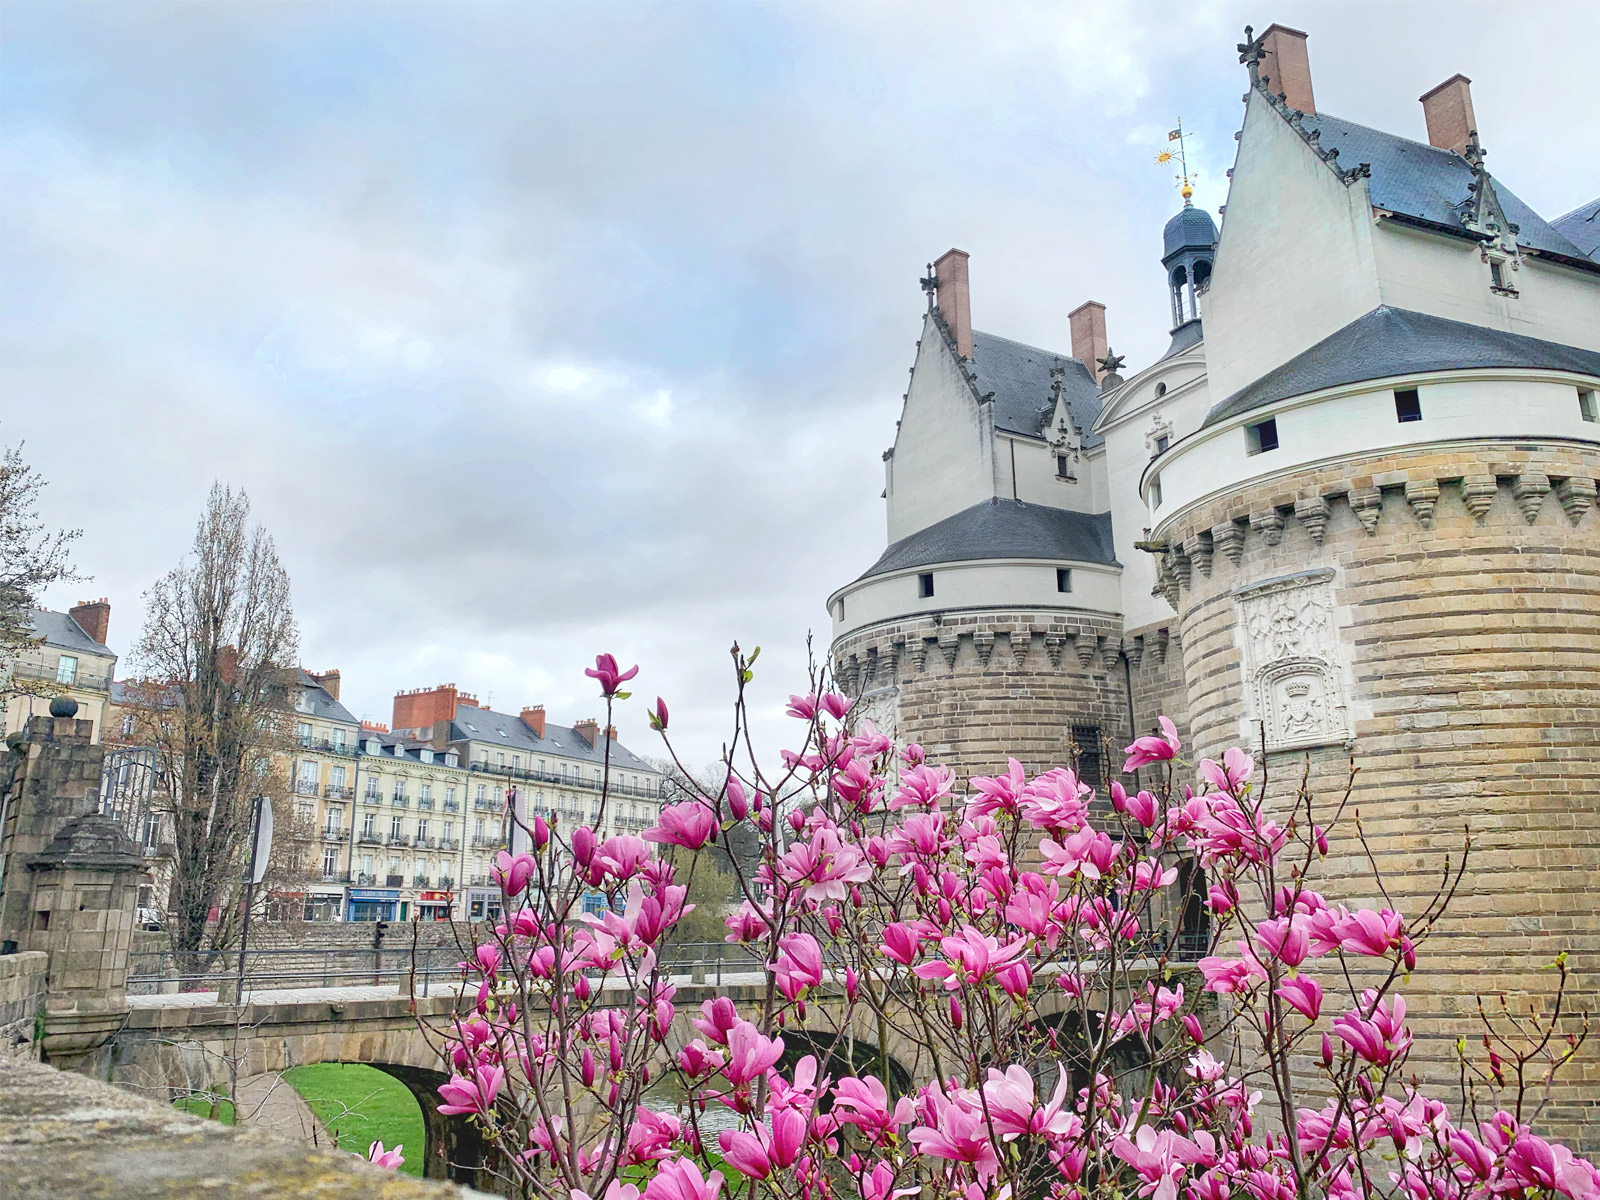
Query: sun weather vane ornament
[{"x": 1184, "y": 177}]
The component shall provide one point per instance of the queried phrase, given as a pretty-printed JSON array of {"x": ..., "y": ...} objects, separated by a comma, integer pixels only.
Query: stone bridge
[{"x": 170, "y": 1046}]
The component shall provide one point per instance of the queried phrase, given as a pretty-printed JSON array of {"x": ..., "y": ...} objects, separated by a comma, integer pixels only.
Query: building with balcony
[{"x": 68, "y": 658}]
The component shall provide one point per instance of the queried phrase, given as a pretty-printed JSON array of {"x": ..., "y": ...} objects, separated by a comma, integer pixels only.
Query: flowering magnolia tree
[{"x": 976, "y": 990}]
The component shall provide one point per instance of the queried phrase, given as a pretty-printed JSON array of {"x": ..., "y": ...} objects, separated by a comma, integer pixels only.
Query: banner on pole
[{"x": 263, "y": 843}]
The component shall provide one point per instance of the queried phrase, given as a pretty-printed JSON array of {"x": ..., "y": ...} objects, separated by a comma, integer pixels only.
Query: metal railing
[
  {"x": 338, "y": 793},
  {"x": 87, "y": 680},
  {"x": 400, "y": 802}
]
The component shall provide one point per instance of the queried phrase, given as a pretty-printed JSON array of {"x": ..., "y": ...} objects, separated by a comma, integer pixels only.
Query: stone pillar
[
  {"x": 49, "y": 775},
  {"x": 69, "y": 880},
  {"x": 85, "y": 889}
]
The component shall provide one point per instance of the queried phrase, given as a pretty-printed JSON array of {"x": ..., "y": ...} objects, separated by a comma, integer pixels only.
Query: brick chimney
[
  {"x": 420, "y": 708},
  {"x": 1287, "y": 67},
  {"x": 954, "y": 299},
  {"x": 93, "y": 617},
  {"x": 1448, "y": 111},
  {"x": 1088, "y": 325},
  {"x": 328, "y": 681},
  {"x": 611, "y": 732},
  {"x": 533, "y": 718},
  {"x": 588, "y": 729}
]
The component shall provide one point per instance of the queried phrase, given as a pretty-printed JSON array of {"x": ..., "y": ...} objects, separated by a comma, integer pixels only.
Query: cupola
[{"x": 1189, "y": 244}]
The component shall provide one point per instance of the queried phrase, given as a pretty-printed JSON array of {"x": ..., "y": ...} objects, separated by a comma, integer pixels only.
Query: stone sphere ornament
[{"x": 63, "y": 706}]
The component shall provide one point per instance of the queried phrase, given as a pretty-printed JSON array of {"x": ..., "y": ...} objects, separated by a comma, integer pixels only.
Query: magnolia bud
[
  {"x": 583, "y": 846},
  {"x": 541, "y": 833},
  {"x": 738, "y": 802},
  {"x": 1327, "y": 1051},
  {"x": 580, "y": 987}
]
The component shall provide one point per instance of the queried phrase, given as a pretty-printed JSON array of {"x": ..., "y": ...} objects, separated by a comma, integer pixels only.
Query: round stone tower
[{"x": 1386, "y": 554}]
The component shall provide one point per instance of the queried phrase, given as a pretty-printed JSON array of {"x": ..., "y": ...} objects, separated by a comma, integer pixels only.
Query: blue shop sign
[{"x": 374, "y": 894}]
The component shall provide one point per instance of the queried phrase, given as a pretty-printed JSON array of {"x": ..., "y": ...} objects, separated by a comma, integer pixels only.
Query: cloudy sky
[{"x": 535, "y": 330}]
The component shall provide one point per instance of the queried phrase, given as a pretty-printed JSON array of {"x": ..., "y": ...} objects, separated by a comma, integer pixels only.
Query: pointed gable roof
[{"x": 1019, "y": 377}]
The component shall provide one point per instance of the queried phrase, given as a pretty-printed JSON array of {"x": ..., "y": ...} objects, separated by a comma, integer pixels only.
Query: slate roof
[
  {"x": 1019, "y": 377},
  {"x": 59, "y": 630},
  {"x": 1190, "y": 228},
  {"x": 1188, "y": 334},
  {"x": 502, "y": 729},
  {"x": 1581, "y": 227},
  {"x": 1395, "y": 341},
  {"x": 323, "y": 704},
  {"x": 1003, "y": 529},
  {"x": 1428, "y": 183}
]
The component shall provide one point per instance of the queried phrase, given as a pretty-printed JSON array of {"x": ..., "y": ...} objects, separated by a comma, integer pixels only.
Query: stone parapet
[
  {"x": 67, "y": 1135},
  {"x": 22, "y": 984}
]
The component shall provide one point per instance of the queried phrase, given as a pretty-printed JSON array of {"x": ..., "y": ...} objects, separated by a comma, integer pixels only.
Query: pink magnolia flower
[
  {"x": 513, "y": 873},
  {"x": 746, "y": 923},
  {"x": 474, "y": 1094},
  {"x": 605, "y": 669},
  {"x": 738, "y": 799},
  {"x": 954, "y": 1128},
  {"x": 717, "y": 1017},
  {"x": 691, "y": 825},
  {"x": 696, "y": 1059},
  {"x": 1086, "y": 851},
  {"x": 1304, "y": 994},
  {"x": 1161, "y": 1158},
  {"x": 970, "y": 957},
  {"x": 864, "y": 1103},
  {"x": 1057, "y": 800},
  {"x": 799, "y": 964},
  {"x": 749, "y": 1054},
  {"x": 652, "y": 1135},
  {"x": 835, "y": 705},
  {"x": 757, "y": 1154},
  {"x": 616, "y": 1190},
  {"x": 923, "y": 787},
  {"x": 1379, "y": 1038},
  {"x": 1285, "y": 939},
  {"x": 823, "y": 866},
  {"x": 1368, "y": 932},
  {"x": 680, "y": 1179},
  {"x": 1012, "y": 1107},
  {"x": 1229, "y": 775},
  {"x": 388, "y": 1159},
  {"x": 900, "y": 942},
  {"x": 1231, "y": 974},
  {"x": 803, "y": 707},
  {"x": 658, "y": 715},
  {"x": 1153, "y": 749}
]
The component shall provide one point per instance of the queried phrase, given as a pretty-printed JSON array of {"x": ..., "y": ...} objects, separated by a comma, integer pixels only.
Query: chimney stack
[
  {"x": 1287, "y": 66},
  {"x": 93, "y": 617},
  {"x": 1448, "y": 111},
  {"x": 611, "y": 732},
  {"x": 418, "y": 709},
  {"x": 328, "y": 681},
  {"x": 533, "y": 718},
  {"x": 588, "y": 729},
  {"x": 1088, "y": 325},
  {"x": 954, "y": 299}
]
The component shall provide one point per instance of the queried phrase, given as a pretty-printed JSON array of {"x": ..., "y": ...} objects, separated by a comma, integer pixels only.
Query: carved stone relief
[
  {"x": 882, "y": 708},
  {"x": 1294, "y": 662}
]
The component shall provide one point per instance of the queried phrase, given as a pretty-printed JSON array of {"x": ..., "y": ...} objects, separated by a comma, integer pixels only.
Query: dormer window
[
  {"x": 452, "y": 759},
  {"x": 427, "y": 755},
  {"x": 374, "y": 746},
  {"x": 1500, "y": 278}
]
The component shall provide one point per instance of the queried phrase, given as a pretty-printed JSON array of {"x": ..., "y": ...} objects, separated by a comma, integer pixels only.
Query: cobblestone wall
[{"x": 1466, "y": 589}]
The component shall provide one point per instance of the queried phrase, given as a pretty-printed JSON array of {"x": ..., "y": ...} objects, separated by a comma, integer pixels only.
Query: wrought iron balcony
[
  {"x": 394, "y": 881},
  {"x": 399, "y": 839},
  {"x": 338, "y": 793}
]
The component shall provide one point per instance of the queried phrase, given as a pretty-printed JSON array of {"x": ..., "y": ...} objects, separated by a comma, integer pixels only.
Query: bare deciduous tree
[
  {"x": 32, "y": 557},
  {"x": 215, "y": 673}
]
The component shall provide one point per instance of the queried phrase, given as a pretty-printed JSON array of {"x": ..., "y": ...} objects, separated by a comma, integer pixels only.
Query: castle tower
[
  {"x": 1382, "y": 547},
  {"x": 991, "y": 624}
]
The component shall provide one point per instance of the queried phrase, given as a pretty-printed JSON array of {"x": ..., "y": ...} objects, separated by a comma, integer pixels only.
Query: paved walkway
[
  {"x": 313, "y": 995},
  {"x": 270, "y": 1102}
]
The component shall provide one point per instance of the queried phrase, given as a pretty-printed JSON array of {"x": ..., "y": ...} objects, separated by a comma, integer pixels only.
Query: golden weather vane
[{"x": 1183, "y": 176}]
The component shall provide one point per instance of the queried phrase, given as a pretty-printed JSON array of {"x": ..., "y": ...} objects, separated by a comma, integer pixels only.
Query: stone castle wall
[
  {"x": 1155, "y": 661},
  {"x": 975, "y": 687},
  {"x": 1462, "y": 591}
]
